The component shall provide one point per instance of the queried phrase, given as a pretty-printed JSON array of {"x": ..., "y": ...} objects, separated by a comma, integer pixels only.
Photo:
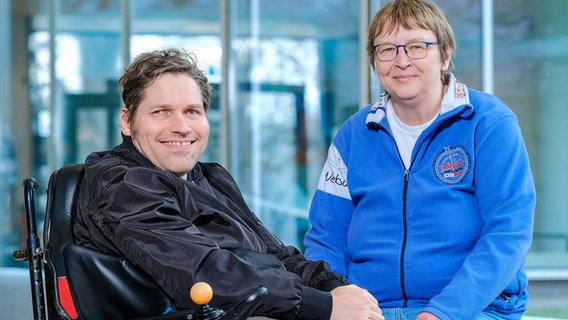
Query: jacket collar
[{"x": 456, "y": 95}]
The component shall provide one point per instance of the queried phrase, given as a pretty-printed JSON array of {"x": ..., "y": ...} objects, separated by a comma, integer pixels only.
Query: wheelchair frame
[{"x": 36, "y": 256}]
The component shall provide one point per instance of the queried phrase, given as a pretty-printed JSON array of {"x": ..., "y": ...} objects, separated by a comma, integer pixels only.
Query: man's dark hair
[{"x": 150, "y": 65}]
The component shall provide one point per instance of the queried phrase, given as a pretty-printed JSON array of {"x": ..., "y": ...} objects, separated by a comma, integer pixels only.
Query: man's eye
[
  {"x": 194, "y": 112},
  {"x": 161, "y": 113}
]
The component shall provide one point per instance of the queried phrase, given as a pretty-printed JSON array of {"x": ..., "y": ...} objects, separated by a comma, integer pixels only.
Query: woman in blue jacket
[{"x": 426, "y": 198}]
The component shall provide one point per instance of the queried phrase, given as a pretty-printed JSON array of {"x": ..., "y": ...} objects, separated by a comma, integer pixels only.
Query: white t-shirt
[{"x": 404, "y": 135}]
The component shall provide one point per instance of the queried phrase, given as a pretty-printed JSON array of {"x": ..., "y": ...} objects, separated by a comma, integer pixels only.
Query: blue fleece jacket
[{"x": 451, "y": 232}]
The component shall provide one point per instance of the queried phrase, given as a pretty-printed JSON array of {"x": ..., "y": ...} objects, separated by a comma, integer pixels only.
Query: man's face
[{"x": 169, "y": 126}]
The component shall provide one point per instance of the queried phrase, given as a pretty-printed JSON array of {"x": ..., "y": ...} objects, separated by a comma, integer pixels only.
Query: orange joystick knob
[{"x": 201, "y": 293}]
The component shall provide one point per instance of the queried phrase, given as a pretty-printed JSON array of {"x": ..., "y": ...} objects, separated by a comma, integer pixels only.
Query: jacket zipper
[
  {"x": 404, "y": 194},
  {"x": 404, "y": 191},
  {"x": 504, "y": 297}
]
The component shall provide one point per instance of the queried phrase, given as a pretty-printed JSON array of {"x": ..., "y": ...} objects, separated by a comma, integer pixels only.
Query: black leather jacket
[{"x": 182, "y": 232}]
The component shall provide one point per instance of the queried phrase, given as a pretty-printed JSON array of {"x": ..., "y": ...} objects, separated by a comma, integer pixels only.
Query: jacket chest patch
[{"x": 452, "y": 165}]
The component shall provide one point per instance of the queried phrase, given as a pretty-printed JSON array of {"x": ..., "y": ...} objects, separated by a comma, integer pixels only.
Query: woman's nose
[{"x": 402, "y": 59}]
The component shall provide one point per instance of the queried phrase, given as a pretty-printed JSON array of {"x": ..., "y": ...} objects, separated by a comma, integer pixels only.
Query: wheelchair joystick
[{"x": 201, "y": 293}]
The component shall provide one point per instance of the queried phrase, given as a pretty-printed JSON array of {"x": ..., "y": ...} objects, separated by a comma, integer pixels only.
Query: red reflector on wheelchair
[{"x": 65, "y": 298}]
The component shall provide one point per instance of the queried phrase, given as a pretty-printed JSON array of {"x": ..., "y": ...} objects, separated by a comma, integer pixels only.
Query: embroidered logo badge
[{"x": 452, "y": 165}]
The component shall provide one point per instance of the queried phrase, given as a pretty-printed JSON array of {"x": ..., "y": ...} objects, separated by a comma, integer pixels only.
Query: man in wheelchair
[{"x": 182, "y": 221}]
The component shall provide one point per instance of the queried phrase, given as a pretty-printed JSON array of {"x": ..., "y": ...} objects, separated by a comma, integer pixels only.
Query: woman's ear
[
  {"x": 124, "y": 122},
  {"x": 446, "y": 60}
]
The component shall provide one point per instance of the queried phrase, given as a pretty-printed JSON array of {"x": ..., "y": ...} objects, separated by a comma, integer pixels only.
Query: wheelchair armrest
[
  {"x": 243, "y": 310},
  {"x": 122, "y": 289}
]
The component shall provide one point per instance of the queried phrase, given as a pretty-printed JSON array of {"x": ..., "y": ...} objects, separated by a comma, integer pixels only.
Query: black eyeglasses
[{"x": 414, "y": 50}]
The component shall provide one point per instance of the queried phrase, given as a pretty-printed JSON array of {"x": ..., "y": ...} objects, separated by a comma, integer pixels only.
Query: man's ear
[{"x": 124, "y": 123}]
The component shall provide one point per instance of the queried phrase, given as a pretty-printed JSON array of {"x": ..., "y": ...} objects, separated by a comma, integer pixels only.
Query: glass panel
[
  {"x": 8, "y": 159},
  {"x": 531, "y": 63},
  {"x": 296, "y": 66},
  {"x": 87, "y": 58},
  {"x": 297, "y": 80},
  {"x": 86, "y": 51},
  {"x": 465, "y": 19}
]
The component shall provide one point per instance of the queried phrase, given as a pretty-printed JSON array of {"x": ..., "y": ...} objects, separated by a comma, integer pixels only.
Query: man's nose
[{"x": 180, "y": 123}]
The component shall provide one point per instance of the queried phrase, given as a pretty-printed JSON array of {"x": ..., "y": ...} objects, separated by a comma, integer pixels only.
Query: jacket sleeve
[
  {"x": 316, "y": 274},
  {"x": 506, "y": 197},
  {"x": 330, "y": 214},
  {"x": 287, "y": 298},
  {"x": 140, "y": 212}
]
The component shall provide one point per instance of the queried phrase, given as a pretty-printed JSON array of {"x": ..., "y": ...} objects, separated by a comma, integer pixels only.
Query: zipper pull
[
  {"x": 405, "y": 187},
  {"x": 504, "y": 297}
]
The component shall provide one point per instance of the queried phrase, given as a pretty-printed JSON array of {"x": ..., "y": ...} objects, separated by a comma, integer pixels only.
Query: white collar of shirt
[{"x": 404, "y": 135}]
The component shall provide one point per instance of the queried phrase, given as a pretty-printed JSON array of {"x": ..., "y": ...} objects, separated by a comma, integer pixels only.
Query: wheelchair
[{"x": 81, "y": 283}]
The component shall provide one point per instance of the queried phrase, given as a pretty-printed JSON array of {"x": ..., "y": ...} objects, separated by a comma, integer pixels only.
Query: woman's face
[{"x": 408, "y": 81}]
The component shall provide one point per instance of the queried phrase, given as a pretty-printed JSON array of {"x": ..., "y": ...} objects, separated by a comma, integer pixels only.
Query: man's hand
[
  {"x": 353, "y": 303},
  {"x": 426, "y": 316}
]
